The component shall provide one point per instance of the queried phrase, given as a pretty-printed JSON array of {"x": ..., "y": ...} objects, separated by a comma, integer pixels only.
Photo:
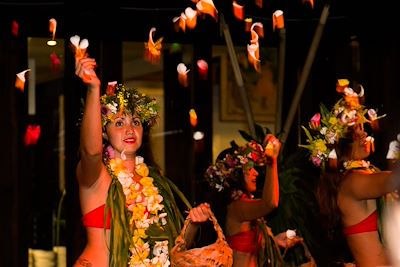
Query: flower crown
[
  {"x": 119, "y": 99},
  {"x": 327, "y": 127},
  {"x": 221, "y": 174}
]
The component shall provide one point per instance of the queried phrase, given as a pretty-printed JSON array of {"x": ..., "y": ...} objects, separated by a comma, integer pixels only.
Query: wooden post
[
  {"x": 281, "y": 78},
  {"x": 304, "y": 74},
  {"x": 238, "y": 77}
]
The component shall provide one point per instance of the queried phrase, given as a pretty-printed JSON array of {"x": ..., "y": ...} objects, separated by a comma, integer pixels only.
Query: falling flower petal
[
  {"x": 32, "y": 135},
  {"x": 182, "y": 74},
  {"x": 259, "y": 3},
  {"x": 55, "y": 62},
  {"x": 20, "y": 80},
  {"x": 247, "y": 24},
  {"x": 111, "y": 86},
  {"x": 277, "y": 20},
  {"x": 180, "y": 22},
  {"x": 153, "y": 49},
  {"x": 52, "y": 27},
  {"x": 238, "y": 10},
  {"x": 207, "y": 7},
  {"x": 253, "y": 53},
  {"x": 193, "y": 117},
  {"x": 14, "y": 28},
  {"x": 191, "y": 17},
  {"x": 253, "y": 56},
  {"x": 311, "y": 2},
  {"x": 258, "y": 28},
  {"x": 202, "y": 66}
]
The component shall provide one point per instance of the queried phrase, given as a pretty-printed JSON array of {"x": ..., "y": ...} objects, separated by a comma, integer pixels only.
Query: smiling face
[
  {"x": 125, "y": 134},
  {"x": 250, "y": 179}
]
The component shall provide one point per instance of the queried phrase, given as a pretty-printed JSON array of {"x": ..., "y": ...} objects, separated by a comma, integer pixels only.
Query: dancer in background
[
  {"x": 130, "y": 213},
  {"x": 352, "y": 192},
  {"x": 233, "y": 179},
  {"x": 393, "y": 154}
]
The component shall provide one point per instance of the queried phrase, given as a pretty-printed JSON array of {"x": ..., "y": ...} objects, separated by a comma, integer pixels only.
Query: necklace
[
  {"x": 355, "y": 164},
  {"x": 147, "y": 215}
]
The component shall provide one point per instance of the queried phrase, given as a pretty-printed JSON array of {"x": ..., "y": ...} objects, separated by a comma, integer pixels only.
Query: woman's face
[
  {"x": 361, "y": 145},
  {"x": 125, "y": 134},
  {"x": 250, "y": 179}
]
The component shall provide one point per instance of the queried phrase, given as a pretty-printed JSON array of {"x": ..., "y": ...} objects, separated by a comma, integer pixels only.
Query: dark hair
[
  {"x": 330, "y": 181},
  {"x": 145, "y": 149},
  {"x": 237, "y": 181},
  {"x": 219, "y": 200}
]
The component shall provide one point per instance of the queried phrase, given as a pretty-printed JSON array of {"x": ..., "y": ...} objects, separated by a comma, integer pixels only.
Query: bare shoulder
[{"x": 93, "y": 180}]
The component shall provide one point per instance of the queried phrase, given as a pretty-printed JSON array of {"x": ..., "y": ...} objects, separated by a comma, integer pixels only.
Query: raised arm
[
  {"x": 90, "y": 164},
  {"x": 249, "y": 209},
  {"x": 365, "y": 185}
]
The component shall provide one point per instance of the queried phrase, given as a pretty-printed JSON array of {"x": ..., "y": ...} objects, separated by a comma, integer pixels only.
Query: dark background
[{"x": 359, "y": 42}]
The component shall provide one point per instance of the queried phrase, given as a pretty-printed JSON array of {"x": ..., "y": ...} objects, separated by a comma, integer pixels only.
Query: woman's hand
[
  {"x": 201, "y": 213},
  {"x": 272, "y": 146},
  {"x": 85, "y": 69},
  {"x": 285, "y": 242}
]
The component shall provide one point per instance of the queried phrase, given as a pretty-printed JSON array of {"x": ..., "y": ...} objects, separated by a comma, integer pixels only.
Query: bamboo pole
[
  {"x": 281, "y": 77},
  {"x": 305, "y": 73},
  {"x": 238, "y": 77}
]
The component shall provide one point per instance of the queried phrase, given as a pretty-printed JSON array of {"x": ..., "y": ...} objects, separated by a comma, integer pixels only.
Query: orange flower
[{"x": 341, "y": 85}]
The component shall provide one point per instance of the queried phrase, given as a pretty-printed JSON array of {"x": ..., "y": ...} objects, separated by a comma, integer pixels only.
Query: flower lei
[
  {"x": 356, "y": 164},
  {"x": 327, "y": 127},
  {"x": 144, "y": 204}
]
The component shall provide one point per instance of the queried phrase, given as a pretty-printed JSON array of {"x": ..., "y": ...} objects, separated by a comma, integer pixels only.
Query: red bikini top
[
  {"x": 95, "y": 218},
  {"x": 369, "y": 224},
  {"x": 243, "y": 241}
]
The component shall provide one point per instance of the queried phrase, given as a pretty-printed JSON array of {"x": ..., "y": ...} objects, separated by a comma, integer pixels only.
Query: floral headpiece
[
  {"x": 327, "y": 127},
  {"x": 224, "y": 171},
  {"x": 119, "y": 99}
]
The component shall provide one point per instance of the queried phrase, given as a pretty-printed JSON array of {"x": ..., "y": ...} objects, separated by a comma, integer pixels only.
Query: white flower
[
  {"x": 290, "y": 233},
  {"x": 349, "y": 92},
  {"x": 112, "y": 107},
  {"x": 372, "y": 114},
  {"x": 139, "y": 160},
  {"x": 160, "y": 247},
  {"x": 331, "y": 137},
  {"x": 219, "y": 187},
  {"x": 332, "y": 154},
  {"x": 153, "y": 204}
]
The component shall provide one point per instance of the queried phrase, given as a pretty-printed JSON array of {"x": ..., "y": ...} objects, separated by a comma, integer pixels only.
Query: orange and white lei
[{"x": 144, "y": 203}]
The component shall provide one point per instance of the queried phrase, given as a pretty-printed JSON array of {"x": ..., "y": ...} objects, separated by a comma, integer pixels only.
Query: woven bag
[{"x": 218, "y": 254}]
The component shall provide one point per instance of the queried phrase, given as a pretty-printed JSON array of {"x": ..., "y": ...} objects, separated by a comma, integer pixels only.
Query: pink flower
[
  {"x": 316, "y": 161},
  {"x": 110, "y": 152},
  {"x": 315, "y": 121},
  {"x": 372, "y": 114}
]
